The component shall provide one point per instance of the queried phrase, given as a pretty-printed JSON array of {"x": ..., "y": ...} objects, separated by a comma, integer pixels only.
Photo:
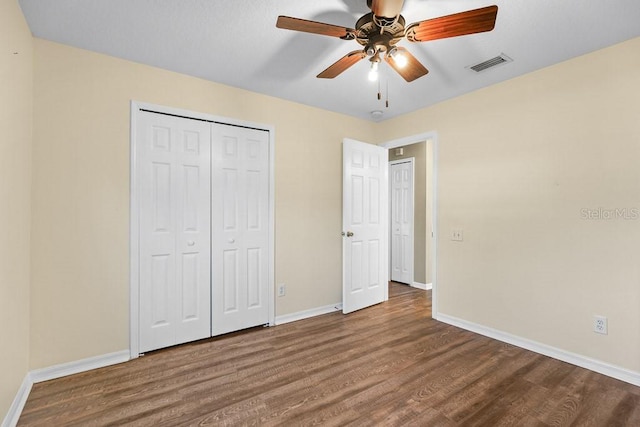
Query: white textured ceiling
[{"x": 235, "y": 42}]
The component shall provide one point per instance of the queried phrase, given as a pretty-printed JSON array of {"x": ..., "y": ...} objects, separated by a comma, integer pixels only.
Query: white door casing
[
  {"x": 365, "y": 225},
  {"x": 173, "y": 166},
  {"x": 402, "y": 213},
  {"x": 240, "y": 228}
]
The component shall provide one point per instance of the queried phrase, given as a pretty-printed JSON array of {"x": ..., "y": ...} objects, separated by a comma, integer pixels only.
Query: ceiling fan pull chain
[{"x": 386, "y": 103}]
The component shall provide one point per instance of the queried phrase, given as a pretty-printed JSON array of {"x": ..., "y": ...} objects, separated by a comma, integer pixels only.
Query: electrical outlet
[
  {"x": 456, "y": 235},
  {"x": 600, "y": 325},
  {"x": 282, "y": 290}
]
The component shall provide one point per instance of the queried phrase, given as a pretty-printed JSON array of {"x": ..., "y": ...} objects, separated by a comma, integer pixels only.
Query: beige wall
[
  {"x": 517, "y": 162},
  {"x": 421, "y": 261},
  {"x": 16, "y": 53},
  {"x": 80, "y": 292}
]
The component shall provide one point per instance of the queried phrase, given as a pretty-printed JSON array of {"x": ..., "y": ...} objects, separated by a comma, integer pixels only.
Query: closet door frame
[{"x": 134, "y": 217}]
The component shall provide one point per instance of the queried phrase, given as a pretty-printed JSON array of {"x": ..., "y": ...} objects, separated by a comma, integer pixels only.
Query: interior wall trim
[
  {"x": 306, "y": 314},
  {"x": 423, "y": 286},
  {"x": 11, "y": 419},
  {"x": 83, "y": 365},
  {"x": 594, "y": 365},
  {"x": 58, "y": 371}
]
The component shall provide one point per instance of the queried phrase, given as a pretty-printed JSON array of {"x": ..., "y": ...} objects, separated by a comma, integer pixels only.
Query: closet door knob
[{"x": 191, "y": 243}]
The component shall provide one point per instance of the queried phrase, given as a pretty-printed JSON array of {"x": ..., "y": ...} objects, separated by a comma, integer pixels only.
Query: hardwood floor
[{"x": 390, "y": 364}]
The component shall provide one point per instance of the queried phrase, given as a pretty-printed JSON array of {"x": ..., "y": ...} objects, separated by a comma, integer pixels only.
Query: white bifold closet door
[
  {"x": 240, "y": 228},
  {"x": 173, "y": 169}
]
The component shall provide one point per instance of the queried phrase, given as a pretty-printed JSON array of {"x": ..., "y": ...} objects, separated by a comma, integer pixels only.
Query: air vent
[{"x": 489, "y": 63}]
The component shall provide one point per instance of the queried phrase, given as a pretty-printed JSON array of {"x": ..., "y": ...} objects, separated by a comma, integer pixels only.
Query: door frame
[
  {"x": 411, "y": 160},
  {"x": 428, "y": 137},
  {"x": 134, "y": 214}
]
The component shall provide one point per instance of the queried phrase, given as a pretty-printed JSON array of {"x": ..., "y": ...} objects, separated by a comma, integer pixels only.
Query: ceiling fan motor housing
[{"x": 378, "y": 39}]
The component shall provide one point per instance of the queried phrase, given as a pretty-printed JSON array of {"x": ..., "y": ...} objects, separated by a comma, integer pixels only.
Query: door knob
[
  {"x": 349, "y": 233},
  {"x": 232, "y": 240},
  {"x": 191, "y": 243}
]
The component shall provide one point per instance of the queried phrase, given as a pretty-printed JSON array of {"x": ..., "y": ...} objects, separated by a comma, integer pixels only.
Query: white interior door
[
  {"x": 240, "y": 227},
  {"x": 402, "y": 200},
  {"x": 173, "y": 167},
  {"x": 365, "y": 225}
]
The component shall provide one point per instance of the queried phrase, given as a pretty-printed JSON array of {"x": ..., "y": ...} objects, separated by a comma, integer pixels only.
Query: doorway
[{"x": 423, "y": 148}]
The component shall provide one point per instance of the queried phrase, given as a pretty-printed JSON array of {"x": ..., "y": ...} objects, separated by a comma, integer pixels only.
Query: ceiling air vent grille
[{"x": 489, "y": 63}]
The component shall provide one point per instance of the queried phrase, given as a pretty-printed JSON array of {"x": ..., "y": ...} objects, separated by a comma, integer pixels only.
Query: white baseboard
[
  {"x": 64, "y": 369},
  {"x": 598, "y": 366},
  {"x": 11, "y": 419},
  {"x": 305, "y": 314},
  {"x": 423, "y": 286},
  {"x": 58, "y": 371}
]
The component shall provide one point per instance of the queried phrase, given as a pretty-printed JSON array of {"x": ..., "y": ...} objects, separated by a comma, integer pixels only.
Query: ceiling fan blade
[
  {"x": 412, "y": 70},
  {"x": 386, "y": 8},
  {"x": 297, "y": 24},
  {"x": 342, "y": 64},
  {"x": 458, "y": 24}
]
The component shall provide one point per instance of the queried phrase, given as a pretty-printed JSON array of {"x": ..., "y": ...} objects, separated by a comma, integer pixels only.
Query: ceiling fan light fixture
[
  {"x": 401, "y": 60},
  {"x": 397, "y": 56},
  {"x": 373, "y": 72},
  {"x": 375, "y": 65}
]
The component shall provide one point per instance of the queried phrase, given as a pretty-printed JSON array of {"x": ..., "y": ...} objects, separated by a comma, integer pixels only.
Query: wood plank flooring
[{"x": 390, "y": 364}]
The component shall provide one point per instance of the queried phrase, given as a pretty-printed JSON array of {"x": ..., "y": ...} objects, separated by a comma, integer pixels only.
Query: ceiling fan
[{"x": 380, "y": 31}]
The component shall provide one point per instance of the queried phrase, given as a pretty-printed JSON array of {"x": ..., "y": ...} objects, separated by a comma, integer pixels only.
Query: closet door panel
[
  {"x": 173, "y": 175},
  {"x": 240, "y": 202}
]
